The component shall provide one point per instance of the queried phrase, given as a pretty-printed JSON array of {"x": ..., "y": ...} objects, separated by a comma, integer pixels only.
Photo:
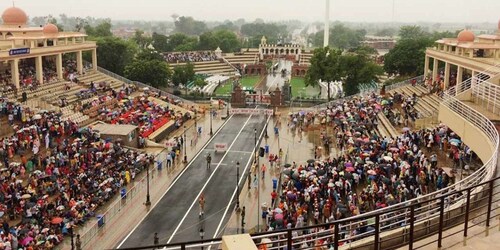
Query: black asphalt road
[{"x": 173, "y": 213}]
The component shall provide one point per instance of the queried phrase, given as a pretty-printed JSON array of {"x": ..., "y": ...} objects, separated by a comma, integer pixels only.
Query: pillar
[
  {"x": 446, "y": 75},
  {"x": 460, "y": 72},
  {"x": 94, "y": 59},
  {"x": 327, "y": 24},
  {"x": 426, "y": 65},
  {"x": 59, "y": 67},
  {"x": 435, "y": 69},
  {"x": 14, "y": 69},
  {"x": 39, "y": 69},
  {"x": 79, "y": 62}
]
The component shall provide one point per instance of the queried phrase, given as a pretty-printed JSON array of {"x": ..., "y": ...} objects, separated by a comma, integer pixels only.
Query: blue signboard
[{"x": 21, "y": 51}]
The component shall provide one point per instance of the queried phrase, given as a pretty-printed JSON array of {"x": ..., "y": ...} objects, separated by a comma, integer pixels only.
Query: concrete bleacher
[
  {"x": 210, "y": 67},
  {"x": 427, "y": 104},
  {"x": 248, "y": 57},
  {"x": 385, "y": 127},
  {"x": 305, "y": 58},
  {"x": 213, "y": 82}
]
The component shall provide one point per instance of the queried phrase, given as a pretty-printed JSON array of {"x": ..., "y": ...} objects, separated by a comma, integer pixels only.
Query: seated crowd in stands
[
  {"x": 64, "y": 174},
  {"x": 27, "y": 74},
  {"x": 370, "y": 173},
  {"x": 195, "y": 56}
]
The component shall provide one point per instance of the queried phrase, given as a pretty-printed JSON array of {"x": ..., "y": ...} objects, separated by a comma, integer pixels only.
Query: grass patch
[
  {"x": 249, "y": 81},
  {"x": 299, "y": 88},
  {"x": 224, "y": 89}
]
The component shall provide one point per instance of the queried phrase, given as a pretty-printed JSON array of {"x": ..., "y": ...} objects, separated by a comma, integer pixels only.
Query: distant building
[{"x": 379, "y": 42}]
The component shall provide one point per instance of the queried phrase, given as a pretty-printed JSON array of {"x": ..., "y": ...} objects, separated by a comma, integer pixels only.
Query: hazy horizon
[{"x": 405, "y": 11}]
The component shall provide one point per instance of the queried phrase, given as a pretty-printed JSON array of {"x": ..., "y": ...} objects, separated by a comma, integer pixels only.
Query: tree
[
  {"x": 183, "y": 74},
  {"x": 226, "y": 40},
  {"x": 271, "y": 31},
  {"x": 358, "y": 69},
  {"x": 407, "y": 57},
  {"x": 325, "y": 66},
  {"x": 153, "y": 72},
  {"x": 149, "y": 55},
  {"x": 411, "y": 32},
  {"x": 140, "y": 39},
  {"x": 189, "y": 26},
  {"x": 386, "y": 32},
  {"x": 341, "y": 37},
  {"x": 114, "y": 53},
  {"x": 101, "y": 30},
  {"x": 160, "y": 42}
]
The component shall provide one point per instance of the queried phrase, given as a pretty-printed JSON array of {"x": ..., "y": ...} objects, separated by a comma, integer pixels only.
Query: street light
[
  {"x": 148, "y": 200},
  {"x": 195, "y": 119},
  {"x": 202, "y": 233},
  {"x": 258, "y": 179},
  {"x": 237, "y": 186},
  {"x": 185, "y": 149},
  {"x": 211, "y": 131}
]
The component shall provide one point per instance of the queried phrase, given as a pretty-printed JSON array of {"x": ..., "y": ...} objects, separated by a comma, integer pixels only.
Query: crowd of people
[
  {"x": 195, "y": 56},
  {"x": 64, "y": 174},
  {"x": 371, "y": 172}
]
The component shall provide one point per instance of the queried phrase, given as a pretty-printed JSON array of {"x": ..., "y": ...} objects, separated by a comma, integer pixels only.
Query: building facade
[
  {"x": 19, "y": 42},
  {"x": 463, "y": 57}
]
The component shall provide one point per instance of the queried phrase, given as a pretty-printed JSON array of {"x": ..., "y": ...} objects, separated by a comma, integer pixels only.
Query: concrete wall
[{"x": 470, "y": 134}]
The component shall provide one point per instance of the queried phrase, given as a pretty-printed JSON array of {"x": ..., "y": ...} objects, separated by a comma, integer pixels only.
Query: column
[
  {"x": 39, "y": 69},
  {"x": 460, "y": 72},
  {"x": 79, "y": 62},
  {"x": 435, "y": 72},
  {"x": 426, "y": 65},
  {"x": 59, "y": 67},
  {"x": 94, "y": 59},
  {"x": 327, "y": 24},
  {"x": 446, "y": 75},
  {"x": 14, "y": 69}
]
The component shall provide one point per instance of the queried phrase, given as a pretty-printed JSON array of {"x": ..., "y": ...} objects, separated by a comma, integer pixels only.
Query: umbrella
[
  {"x": 457, "y": 141},
  {"x": 349, "y": 169},
  {"x": 45, "y": 230},
  {"x": 310, "y": 161},
  {"x": 278, "y": 210},
  {"x": 26, "y": 196},
  {"x": 387, "y": 158},
  {"x": 372, "y": 172},
  {"x": 330, "y": 184},
  {"x": 26, "y": 241},
  {"x": 37, "y": 117},
  {"x": 266, "y": 241},
  {"x": 1, "y": 213},
  {"x": 278, "y": 216},
  {"x": 288, "y": 165},
  {"x": 394, "y": 149},
  {"x": 56, "y": 220},
  {"x": 406, "y": 129},
  {"x": 321, "y": 172},
  {"x": 287, "y": 171},
  {"x": 61, "y": 207}
]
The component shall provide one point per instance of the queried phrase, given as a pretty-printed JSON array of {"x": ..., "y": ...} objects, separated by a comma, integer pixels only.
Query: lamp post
[
  {"x": 148, "y": 200},
  {"x": 195, "y": 119},
  {"x": 202, "y": 233},
  {"x": 237, "y": 186},
  {"x": 70, "y": 230},
  {"x": 211, "y": 131},
  {"x": 258, "y": 179},
  {"x": 185, "y": 149}
]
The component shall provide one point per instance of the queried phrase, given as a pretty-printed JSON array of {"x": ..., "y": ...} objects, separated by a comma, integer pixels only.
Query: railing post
[
  {"x": 377, "y": 232},
  {"x": 467, "y": 208},
  {"x": 441, "y": 219},
  {"x": 289, "y": 239},
  {"x": 183, "y": 247},
  {"x": 336, "y": 236},
  {"x": 490, "y": 200},
  {"x": 412, "y": 225}
]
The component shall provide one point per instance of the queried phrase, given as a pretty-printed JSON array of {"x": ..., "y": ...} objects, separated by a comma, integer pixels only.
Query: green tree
[
  {"x": 101, "y": 30},
  {"x": 411, "y": 32},
  {"x": 189, "y": 26},
  {"x": 325, "y": 66},
  {"x": 153, "y": 72},
  {"x": 271, "y": 31},
  {"x": 407, "y": 57},
  {"x": 114, "y": 53},
  {"x": 149, "y": 55},
  {"x": 386, "y": 32},
  {"x": 140, "y": 39},
  {"x": 183, "y": 74},
  {"x": 358, "y": 69},
  {"x": 226, "y": 40},
  {"x": 341, "y": 37},
  {"x": 160, "y": 42}
]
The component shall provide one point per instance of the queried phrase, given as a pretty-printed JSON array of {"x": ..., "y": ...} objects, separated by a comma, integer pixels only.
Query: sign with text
[
  {"x": 220, "y": 147},
  {"x": 21, "y": 51},
  {"x": 243, "y": 111}
]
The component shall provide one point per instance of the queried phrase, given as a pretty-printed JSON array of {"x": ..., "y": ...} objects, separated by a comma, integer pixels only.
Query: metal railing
[
  {"x": 143, "y": 85},
  {"x": 487, "y": 95},
  {"x": 337, "y": 234},
  {"x": 472, "y": 81},
  {"x": 418, "y": 80}
]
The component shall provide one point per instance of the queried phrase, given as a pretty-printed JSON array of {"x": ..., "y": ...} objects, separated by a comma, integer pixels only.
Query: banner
[{"x": 244, "y": 111}]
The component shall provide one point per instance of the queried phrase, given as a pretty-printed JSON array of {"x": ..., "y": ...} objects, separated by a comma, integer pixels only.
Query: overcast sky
[{"x": 467, "y": 11}]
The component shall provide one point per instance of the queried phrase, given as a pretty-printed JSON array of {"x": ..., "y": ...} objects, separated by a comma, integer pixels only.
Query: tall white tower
[{"x": 327, "y": 23}]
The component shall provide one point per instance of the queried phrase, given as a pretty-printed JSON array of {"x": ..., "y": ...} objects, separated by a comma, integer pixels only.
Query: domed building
[
  {"x": 464, "y": 56},
  {"x": 35, "y": 47}
]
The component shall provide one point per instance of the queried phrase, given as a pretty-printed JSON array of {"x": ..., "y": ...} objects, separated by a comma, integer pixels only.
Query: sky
[{"x": 443, "y": 11}]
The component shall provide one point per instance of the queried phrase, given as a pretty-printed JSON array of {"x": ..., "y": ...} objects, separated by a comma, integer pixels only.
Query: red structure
[{"x": 299, "y": 70}]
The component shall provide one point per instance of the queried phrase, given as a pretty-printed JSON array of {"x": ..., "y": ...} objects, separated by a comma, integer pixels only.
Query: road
[
  {"x": 176, "y": 216},
  {"x": 275, "y": 79}
]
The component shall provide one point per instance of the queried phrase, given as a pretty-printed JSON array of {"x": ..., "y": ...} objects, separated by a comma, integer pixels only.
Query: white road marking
[
  {"x": 172, "y": 184},
  {"x": 206, "y": 182}
]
